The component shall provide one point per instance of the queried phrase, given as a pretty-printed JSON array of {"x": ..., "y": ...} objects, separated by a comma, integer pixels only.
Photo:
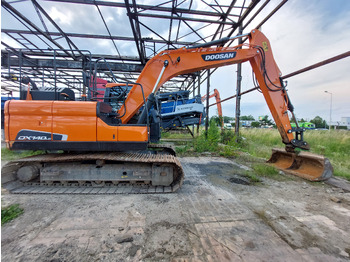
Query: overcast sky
[{"x": 301, "y": 33}]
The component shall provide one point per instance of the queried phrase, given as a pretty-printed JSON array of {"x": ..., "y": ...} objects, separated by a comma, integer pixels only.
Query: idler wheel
[{"x": 27, "y": 173}]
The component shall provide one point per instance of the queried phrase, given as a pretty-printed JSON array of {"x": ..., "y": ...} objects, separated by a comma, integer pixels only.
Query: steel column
[
  {"x": 207, "y": 106},
  {"x": 238, "y": 91}
]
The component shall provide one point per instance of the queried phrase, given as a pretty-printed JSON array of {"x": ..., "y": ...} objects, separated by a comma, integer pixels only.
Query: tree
[
  {"x": 227, "y": 119},
  {"x": 250, "y": 117},
  {"x": 255, "y": 124},
  {"x": 319, "y": 122},
  {"x": 216, "y": 120},
  {"x": 265, "y": 121}
]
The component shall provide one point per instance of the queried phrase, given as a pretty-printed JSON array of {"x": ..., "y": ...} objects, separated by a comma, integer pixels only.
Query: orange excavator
[
  {"x": 107, "y": 145},
  {"x": 216, "y": 94}
]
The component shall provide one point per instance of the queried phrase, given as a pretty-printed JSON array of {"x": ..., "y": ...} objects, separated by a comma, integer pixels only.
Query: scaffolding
[
  {"x": 40, "y": 43},
  {"x": 52, "y": 54}
]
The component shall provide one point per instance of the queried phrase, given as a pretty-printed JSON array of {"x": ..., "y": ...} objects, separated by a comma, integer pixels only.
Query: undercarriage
[{"x": 94, "y": 173}]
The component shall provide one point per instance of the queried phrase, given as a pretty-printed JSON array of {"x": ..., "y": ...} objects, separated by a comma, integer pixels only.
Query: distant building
[
  {"x": 345, "y": 121},
  {"x": 243, "y": 123},
  {"x": 246, "y": 123}
]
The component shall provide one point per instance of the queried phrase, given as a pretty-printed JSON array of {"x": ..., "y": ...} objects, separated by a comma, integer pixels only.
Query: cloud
[
  {"x": 304, "y": 36},
  {"x": 64, "y": 18},
  {"x": 301, "y": 33}
]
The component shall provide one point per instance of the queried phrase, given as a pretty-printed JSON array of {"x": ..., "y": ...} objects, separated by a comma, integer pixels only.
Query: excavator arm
[
  {"x": 216, "y": 94},
  {"x": 171, "y": 63}
]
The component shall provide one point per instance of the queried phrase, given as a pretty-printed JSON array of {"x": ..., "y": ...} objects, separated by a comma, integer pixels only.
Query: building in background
[{"x": 345, "y": 121}]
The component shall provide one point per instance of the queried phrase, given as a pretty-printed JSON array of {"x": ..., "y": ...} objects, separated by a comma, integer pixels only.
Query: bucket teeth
[{"x": 306, "y": 165}]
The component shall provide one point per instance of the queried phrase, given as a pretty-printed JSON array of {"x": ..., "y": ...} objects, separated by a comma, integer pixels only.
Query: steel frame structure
[{"x": 53, "y": 56}]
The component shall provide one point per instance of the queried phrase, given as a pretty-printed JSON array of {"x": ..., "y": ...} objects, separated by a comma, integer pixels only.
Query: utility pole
[{"x": 330, "y": 110}]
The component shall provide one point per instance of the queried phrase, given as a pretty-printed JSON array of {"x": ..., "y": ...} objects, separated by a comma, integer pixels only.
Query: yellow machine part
[{"x": 304, "y": 164}]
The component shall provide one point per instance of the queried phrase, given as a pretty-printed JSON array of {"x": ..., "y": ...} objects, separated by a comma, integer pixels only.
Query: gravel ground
[{"x": 211, "y": 218}]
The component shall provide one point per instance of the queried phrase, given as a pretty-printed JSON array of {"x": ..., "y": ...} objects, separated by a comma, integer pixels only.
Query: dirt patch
[
  {"x": 239, "y": 180},
  {"x": 165, "y": 241},
  {"x": 208, "y": 219},
  {"x": 157, "y": 199}
]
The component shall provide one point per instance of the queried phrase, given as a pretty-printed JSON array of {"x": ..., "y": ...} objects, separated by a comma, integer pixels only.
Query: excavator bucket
[{"x": 306, "y": 165}]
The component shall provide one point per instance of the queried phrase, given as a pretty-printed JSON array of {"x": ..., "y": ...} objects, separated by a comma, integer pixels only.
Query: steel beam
[
  {"x": 322, "y": 63},
  {"x": 42, "y": 53},
  {"x": 66, "y": 64},
  {"x": 271, "y": 14},
  {"x": 69, "y": 41},
  {"x": 136, "y": 31},
  {"x": 183, "y": 18},
  {"x": 113, "y": 37},
  {"x": 17, "y": 13},
  {"x": 224, "y": 17},
  {"x": 143, "y": 7},
  {"x": 244, "y": 16},
  {"x": 41, "y": 60}
]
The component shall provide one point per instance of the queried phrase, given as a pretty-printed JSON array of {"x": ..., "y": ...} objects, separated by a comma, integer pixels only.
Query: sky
[{"x": 301, "y": 33}]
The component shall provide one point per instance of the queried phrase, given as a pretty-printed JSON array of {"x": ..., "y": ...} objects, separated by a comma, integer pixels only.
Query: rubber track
[{"x": 43, "y": 188}]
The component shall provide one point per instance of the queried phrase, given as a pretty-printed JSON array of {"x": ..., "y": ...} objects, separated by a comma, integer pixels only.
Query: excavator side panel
[
  {"x": 22, "y": 117},
  {"x": 133, "y": 133},
  {"x": 75, "y": 119},
  {"x": 69, "y": 126}
]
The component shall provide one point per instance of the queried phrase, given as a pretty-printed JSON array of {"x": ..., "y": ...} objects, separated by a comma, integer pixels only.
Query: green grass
[
  {"x": 186, "y": 150},
  {"x": 217, "y": 143},
  {"x": 334, "y": 144},
  {"x": 255, "y": 144},
  {"x": 8, "y": 155},
  {"x": 176, "y": 135},
  {"x": 259, "y": 142},
  {"x": 262, "y": 169},
  {"x": 253, "y": 178},
  {"x": 11, "y": 212}
]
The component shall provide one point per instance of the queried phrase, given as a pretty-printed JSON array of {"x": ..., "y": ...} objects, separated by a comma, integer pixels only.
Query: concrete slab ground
[{"x": 209, "y": 219}]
